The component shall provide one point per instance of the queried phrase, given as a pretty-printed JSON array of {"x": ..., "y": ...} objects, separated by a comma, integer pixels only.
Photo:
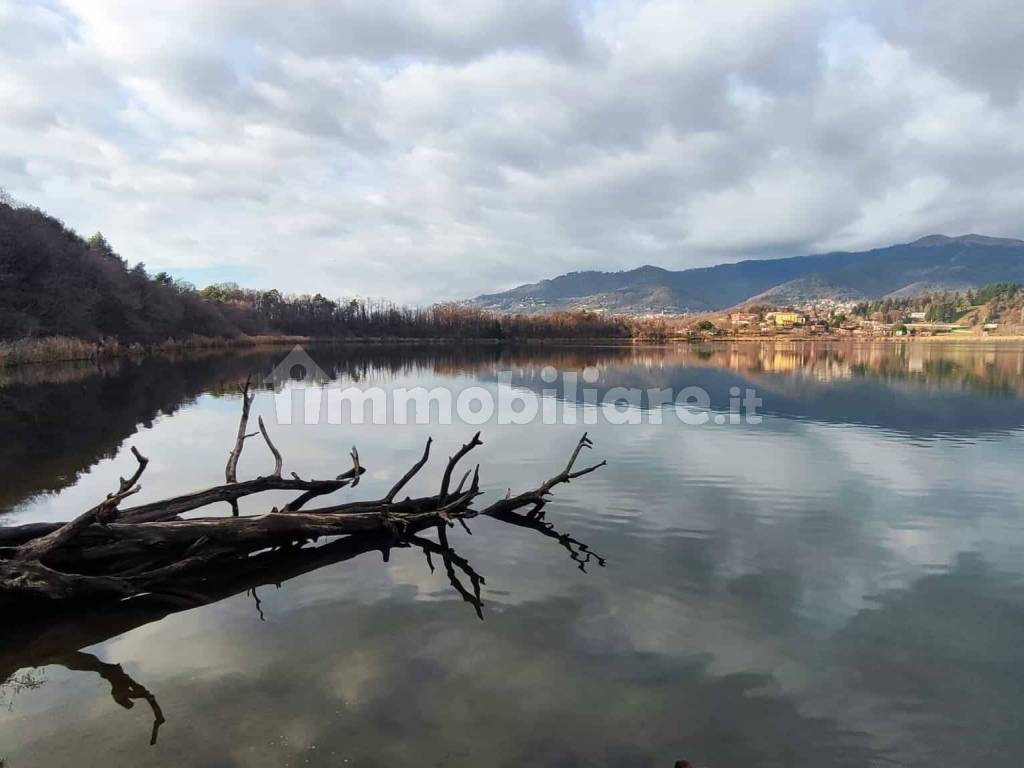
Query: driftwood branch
[
  {"x": 169, "y": 509},
  {"x": 278, "y": 462},
  {"x": 538, "y": 496},
  {"x": 109, "y": 553},
  {"x": 231, "y": 470},
  {"x": 39, "y": 548},
  {"x": 454, "y": 460},
  {"x": 410, "y": 474}
]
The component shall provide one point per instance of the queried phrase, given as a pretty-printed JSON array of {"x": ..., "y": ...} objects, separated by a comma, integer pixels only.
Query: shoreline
[
  {"x": 941, "y": 339},
  {"x": 64, "y": 349},
  {"x": 67, "y": 349},
  {"x": 61, "y": 349}
]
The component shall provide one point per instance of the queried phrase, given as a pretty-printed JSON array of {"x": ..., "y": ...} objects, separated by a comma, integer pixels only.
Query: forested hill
[
  {"x": 53, "y": 282},
  {"x": 930, "y": 264}
]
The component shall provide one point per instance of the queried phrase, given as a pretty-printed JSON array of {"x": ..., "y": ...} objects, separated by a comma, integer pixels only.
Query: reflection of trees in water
[
  {"x": 123, "y": 688},
  {"x": 61, "y": 420},
  {"x": 25, "y": 680},
  {"x": 967, "y": 611},
  {"x": 971, "y": 366},
  {"x": 360, "y": 364},
  {"x": 54, "y": 431}
]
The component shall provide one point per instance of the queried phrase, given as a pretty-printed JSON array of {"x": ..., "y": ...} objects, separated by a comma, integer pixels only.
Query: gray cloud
[
  {"x": 980, "y": 44},
  {"x": 332, "y": 146}
]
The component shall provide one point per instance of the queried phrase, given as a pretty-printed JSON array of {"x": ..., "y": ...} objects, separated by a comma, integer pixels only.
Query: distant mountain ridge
[{"x": 929, "y": 264}]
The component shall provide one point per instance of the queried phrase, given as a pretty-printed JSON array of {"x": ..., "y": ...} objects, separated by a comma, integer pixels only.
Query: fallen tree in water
[
  {"x": 113, "y": 553},
  {"x": 57, "y": 634}
]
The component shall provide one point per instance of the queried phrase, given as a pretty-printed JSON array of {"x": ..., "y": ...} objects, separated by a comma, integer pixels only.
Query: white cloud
[{"x": 333, "y": 146}]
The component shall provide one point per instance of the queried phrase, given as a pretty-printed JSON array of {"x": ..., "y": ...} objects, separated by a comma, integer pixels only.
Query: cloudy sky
[{"x": 425, "y": 150}]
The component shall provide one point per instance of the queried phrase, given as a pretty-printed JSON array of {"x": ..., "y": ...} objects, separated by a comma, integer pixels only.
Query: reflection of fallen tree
[
  {"x": 53, "y": 634},
  {"x": 581, "y": 554},
  {"x": 146, "y": 562},
  {"x": 123, "y": 689}
]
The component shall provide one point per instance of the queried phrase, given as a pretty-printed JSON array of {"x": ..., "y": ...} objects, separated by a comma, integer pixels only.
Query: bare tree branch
[
  {"x": 410, "y": 474},
  {"x": 454, "y": 460},
  {"x": 278, "y": 462},
  {"x": 539, "y": 494},
  {"x": 231, "y": 470},
  {"x": 101, "y": 513}
]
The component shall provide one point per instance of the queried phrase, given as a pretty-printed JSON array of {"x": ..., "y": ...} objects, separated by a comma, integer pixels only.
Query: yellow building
[{"x": 787, "y": 319}]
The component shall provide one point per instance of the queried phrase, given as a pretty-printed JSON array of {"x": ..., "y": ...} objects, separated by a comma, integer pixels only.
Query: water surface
[{"x": 839, "y": 585}]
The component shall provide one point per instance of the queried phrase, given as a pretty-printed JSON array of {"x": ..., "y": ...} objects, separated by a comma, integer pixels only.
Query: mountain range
[{"x": 930, "y": 264}]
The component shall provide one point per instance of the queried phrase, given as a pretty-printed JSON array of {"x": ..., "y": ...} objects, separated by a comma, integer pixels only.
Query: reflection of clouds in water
[
  {"x": 783, "y": 595},
  {"x": 910, "y": 667},
  {"x": 924, "y": 549},
  {"x": 417, "y": 681},
  {"x": 351, "y": 679},
  {"x": 404, "y": 681},
  {"x": 341, "y": 674},
  {"x": 759, "y": 494}
]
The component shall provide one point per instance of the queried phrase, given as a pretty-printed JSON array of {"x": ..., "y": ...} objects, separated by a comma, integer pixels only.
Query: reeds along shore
[
  {"x": 68, "y": 348},
  {"x": 56, "y": 349}
]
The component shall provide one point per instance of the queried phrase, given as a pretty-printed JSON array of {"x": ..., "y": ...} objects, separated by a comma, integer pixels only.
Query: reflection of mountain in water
[{"x": 922, "y": 390}]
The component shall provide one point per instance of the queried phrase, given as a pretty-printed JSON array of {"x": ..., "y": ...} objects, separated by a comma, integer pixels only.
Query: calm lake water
[{"x": 841, "y": 584}]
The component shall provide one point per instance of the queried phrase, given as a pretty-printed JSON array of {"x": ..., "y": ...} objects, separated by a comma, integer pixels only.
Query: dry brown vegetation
[{"x": 64, "y": 348}]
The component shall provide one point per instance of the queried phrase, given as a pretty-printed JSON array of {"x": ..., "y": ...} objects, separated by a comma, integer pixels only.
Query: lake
[{"x": 834, "y": 580}]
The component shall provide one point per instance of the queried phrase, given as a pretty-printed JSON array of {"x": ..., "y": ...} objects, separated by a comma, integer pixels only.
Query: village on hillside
[{"x": 995, "y": 310}]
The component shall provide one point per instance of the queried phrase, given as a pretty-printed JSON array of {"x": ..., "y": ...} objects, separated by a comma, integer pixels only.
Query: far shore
[{"x": 65, "y": 349}]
